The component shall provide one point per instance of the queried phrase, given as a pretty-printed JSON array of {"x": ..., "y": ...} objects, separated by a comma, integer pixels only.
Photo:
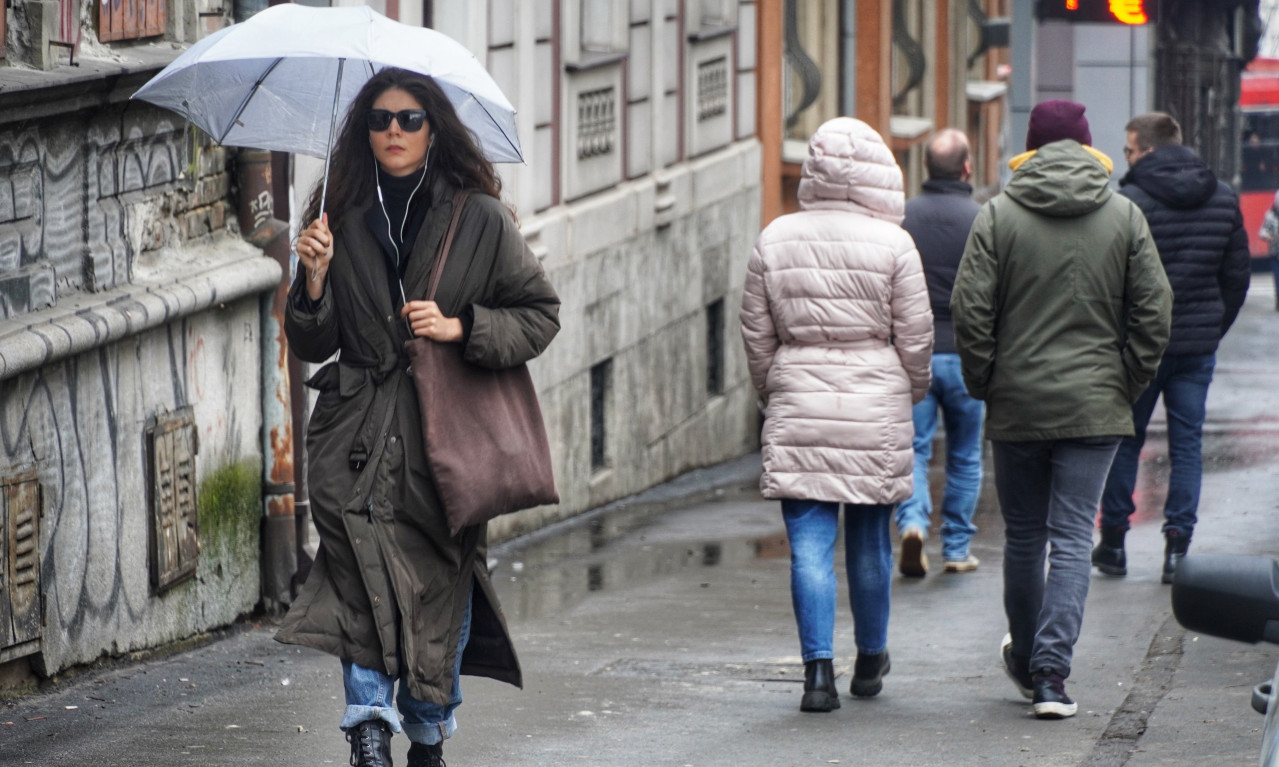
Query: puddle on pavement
[
  {"x": 615, "y": 550},
  {"x": 623, "y": 547}
]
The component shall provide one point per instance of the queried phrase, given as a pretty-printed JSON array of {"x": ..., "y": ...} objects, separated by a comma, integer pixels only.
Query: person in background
[
  {"x": 838, "y": 339},
  {"x": 1199, "y": 232},
  {"x": 1061, "y": 313},
  {"x": 938, "y": 219},
  {"x": 404, "y": 604},
  {"x": 1270, "y": 233}
]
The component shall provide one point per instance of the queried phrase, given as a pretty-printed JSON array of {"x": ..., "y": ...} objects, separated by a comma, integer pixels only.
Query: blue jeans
[
  {"x": 1048, "y": 493},
  {"x": 963, "y": 418},
  {"x": 1183, "y": 381},
  {"x": 369, "y": 692},
  {"x": 812, "y": 527}
]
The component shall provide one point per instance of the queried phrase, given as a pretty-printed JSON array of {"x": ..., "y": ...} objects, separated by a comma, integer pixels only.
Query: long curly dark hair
[{"x": 453, "y": 153}]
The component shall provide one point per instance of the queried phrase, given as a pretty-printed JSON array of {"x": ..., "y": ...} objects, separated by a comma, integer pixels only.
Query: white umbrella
[{"x": 279, "y": 80}]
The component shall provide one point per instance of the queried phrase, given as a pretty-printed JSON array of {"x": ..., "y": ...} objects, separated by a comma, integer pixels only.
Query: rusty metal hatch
[
  {"x": 172, "y": 444},
  {"x": 21, "y": 613}
]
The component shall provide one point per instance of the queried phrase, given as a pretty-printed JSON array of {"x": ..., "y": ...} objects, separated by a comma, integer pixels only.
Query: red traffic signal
[{"x": 1106, "y": 11}]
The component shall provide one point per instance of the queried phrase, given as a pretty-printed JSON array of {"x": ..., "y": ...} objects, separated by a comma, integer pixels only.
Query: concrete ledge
[{"x": 221, "y": 271}]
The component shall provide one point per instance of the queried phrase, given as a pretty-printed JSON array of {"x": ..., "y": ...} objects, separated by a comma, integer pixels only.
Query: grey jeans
[{"x": 1049, "y": 492}]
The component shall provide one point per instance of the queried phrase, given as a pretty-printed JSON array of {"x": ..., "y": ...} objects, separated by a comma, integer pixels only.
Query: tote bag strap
[{"x": 437, "y": 271}]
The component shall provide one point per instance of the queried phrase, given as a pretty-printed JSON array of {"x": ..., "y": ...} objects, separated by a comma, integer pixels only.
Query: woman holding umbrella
[{"x": 401, "y": 601}]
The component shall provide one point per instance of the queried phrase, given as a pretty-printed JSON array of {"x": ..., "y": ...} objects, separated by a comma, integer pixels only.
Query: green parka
[
  {"x": 388, "y": 574},
  {"x": 1061, "y": 306}
]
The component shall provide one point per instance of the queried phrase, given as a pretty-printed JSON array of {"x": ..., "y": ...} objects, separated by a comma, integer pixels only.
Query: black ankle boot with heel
[
  {"x": 819, "y": 686},
  {"x": 868, "y": 674}
]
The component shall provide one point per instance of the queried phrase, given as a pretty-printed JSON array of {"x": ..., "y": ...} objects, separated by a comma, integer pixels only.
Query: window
[
  {"x": 715, "y": 348},
  {"x": 604, "y": 26},
  {"x": 601, "y": 395},
  {"x": 130, "y": 19}
]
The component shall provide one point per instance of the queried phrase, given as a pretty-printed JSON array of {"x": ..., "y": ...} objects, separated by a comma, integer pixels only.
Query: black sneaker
[
  {"x": 1050, "y": 698},
  {"x": 868, "y": 674},
  {"x": 422, "y": 755},
  {"x": 370, "y": 744},
  {"x": 1016, "y": 670}
]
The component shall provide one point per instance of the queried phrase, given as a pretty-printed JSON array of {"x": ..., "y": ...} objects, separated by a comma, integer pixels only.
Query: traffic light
[{"x": 1109, "y": 11}]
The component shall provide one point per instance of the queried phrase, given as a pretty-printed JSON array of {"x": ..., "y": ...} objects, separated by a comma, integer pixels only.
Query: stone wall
[{"x": 636, "y": 268}]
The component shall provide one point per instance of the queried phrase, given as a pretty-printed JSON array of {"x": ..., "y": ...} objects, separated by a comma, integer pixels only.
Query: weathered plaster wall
[{"x": 124, "y": 297}]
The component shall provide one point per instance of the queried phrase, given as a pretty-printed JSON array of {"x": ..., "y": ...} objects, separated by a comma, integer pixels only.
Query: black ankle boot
[
  {"x": 422, "y": 755},
  {"x": 868, "y": 674},
  {"x": 819, "y": 686},
  {"x": 370, "y": 744},
  {"x": 1109, "y": 556},
  {"x": 1175, "y": 547}
]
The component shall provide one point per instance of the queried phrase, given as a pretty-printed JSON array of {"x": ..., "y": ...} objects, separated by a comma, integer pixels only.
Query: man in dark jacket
[
  {"x": 1199, "y": 231},
  {"x": 939, "y": 220},
  {"x": 1061, "y": 313}
]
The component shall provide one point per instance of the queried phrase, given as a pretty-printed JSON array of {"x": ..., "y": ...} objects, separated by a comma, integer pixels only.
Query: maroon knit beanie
[{"x": 1056, "y": 120}]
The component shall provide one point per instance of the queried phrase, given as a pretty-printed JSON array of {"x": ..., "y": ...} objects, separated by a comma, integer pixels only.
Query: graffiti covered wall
[{"x": 124, "y": 300}]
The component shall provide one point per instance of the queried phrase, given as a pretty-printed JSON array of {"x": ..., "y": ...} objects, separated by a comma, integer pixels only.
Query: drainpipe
[{"x": 260, "y": 228}]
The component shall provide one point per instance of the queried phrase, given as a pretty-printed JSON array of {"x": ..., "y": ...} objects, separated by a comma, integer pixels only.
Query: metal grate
[
  {"x": 21, "y": 616},
  {"x": 596, "y": 122},
  {"x": 712, "y": 88},
  {"x": 174, "y": 531}
]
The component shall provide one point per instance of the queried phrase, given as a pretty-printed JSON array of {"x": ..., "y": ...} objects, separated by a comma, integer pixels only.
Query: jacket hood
[
  {"x": 1173, "y": 175},
  {"x": 1063, "y": 179},
  {"x": 850, "y": 167}
]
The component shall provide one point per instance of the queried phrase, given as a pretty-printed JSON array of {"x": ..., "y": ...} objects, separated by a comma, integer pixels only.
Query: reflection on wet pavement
[
  {"x": 630, "y": 545},
  {"x": 621, "y": 549}
]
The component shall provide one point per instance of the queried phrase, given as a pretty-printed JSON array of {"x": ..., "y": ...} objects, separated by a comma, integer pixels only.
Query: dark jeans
[
  {"x": 1048, "y": 493},
  {"x": 1183, "y": 381}
]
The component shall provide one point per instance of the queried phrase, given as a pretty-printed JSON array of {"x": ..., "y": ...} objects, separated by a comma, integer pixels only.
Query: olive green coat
[
  {"x": 388, "y": 574},
  {"x": 1061, "y": 306}
]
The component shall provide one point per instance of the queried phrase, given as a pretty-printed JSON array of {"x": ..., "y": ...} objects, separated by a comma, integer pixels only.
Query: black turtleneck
[{"x": 397, "y": 193}]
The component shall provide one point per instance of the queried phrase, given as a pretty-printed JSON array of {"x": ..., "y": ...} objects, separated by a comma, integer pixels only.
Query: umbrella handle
[{"x": 328, "y": 152}]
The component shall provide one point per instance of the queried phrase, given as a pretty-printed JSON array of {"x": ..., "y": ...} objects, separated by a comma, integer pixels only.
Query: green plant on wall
[{"x": 230, "y": 503}]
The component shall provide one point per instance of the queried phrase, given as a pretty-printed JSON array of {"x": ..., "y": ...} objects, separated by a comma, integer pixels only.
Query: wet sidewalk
[{"x": 659, "y": 631}]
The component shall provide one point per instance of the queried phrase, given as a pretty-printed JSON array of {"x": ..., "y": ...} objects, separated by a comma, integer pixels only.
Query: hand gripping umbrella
[{"x": 279, "y": 80}]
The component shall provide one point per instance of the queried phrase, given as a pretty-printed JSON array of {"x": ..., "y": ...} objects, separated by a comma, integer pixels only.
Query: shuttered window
[
  {"x": 130, "y": 19},
  {"x": 4, "y": 13}
]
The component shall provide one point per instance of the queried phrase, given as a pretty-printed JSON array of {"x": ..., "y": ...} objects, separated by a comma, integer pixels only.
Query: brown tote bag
[{"x": 485, "y": 440}]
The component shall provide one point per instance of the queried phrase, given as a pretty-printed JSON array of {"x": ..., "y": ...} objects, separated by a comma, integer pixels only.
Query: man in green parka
[{"x": 1061, "y": 312}]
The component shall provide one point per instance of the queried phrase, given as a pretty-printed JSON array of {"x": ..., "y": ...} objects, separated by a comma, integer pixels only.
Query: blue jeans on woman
[
  {"x": 369, "y": 693},
  {"x": 1183, "y": 381},
  {"x": 812, "y": 527},
  {"x": 963, "y": 417}
]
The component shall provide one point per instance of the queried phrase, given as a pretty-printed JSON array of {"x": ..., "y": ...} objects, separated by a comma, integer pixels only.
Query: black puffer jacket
[{"x": 1202, "y": 242}]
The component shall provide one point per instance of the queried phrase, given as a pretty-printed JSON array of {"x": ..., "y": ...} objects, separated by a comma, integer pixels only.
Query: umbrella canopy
[{"x": 272, "y": 82}]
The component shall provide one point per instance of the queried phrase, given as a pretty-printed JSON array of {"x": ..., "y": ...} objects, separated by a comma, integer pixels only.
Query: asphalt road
[{"x": 659, "y": 631}]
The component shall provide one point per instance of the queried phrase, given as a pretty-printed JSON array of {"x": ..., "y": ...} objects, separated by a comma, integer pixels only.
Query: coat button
[
  {"x": 377, "y": 600},
  {"x": 357, "y": 541},
  {"x": 390, "y": 318},
  {"x": 391, "y": 440}
]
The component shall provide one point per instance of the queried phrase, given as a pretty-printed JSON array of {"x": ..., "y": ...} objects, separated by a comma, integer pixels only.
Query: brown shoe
[{"x": 914, "y": 562}]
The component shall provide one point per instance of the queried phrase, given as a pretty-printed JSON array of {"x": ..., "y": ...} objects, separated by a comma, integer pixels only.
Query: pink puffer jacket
[{"x": 837, "y": 327}]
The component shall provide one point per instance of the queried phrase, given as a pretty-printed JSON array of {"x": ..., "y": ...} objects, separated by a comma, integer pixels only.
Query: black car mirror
[{"x": 1233, "y": 597}]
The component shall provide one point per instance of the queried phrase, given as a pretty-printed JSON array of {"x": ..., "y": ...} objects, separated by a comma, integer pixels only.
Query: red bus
[{"x": 1259, "y": 151}]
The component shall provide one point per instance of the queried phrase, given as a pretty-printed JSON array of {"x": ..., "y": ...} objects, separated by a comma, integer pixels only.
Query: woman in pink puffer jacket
[{"x": 839, "y": 337}]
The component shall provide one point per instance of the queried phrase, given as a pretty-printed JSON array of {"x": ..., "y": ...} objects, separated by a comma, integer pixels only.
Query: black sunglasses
[{"x": 410, "y": 120}]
